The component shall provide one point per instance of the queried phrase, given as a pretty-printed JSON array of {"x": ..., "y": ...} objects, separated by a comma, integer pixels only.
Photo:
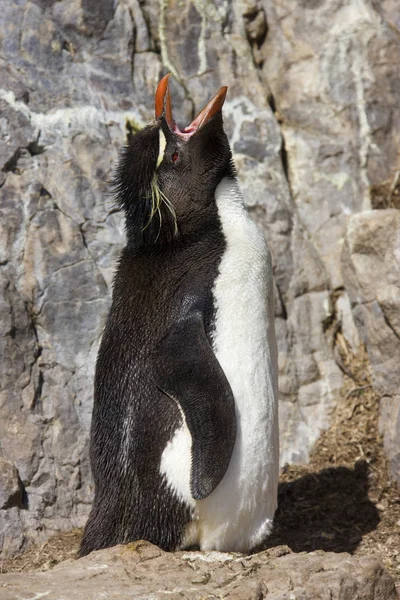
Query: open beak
[{"x": 163, "y": 109}]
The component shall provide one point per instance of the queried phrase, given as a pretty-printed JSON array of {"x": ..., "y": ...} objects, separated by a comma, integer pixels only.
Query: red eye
[{"x": 174, "y": 157}]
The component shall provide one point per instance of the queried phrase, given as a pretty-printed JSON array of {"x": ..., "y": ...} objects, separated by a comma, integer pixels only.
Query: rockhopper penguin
[{"x": 184, "y": 435}]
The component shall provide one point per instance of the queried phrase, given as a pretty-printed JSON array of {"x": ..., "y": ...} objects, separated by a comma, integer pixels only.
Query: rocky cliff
[{"x": 313, "y": 116}]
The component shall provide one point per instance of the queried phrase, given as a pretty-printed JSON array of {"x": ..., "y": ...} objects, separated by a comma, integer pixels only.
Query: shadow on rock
[{"x": 329, "y": 510}]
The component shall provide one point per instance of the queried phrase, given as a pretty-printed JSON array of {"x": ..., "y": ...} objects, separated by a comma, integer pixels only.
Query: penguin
[{"x": 184, "y": 443}]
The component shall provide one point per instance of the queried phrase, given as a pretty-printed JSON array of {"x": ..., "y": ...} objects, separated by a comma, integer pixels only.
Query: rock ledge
[{"x": 144, "y": 572}]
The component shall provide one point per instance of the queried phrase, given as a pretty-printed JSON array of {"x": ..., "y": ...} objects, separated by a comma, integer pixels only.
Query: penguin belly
[{"x": 239, "y": 513}]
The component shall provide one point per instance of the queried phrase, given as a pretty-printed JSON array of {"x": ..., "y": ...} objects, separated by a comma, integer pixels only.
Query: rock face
[
  {"x": 143, "y": 571},
  {"x": 372, "y": 246},
  {"x": 10, "y": 486},
  {"x": 314, "y": 120}
]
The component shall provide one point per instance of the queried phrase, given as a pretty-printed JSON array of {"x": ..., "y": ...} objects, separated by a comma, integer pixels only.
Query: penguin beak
[
  {"x": 163, "y": 109},
  {"x": 163, "y": 102}
]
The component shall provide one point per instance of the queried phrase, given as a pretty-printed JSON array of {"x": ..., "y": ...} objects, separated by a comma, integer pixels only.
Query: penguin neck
[
  {"x": 199, "y": 223},
  {"x": 201, "y": 211},
  {"x": 191, "y": 226},
  {"x": 197, "y": 217}
]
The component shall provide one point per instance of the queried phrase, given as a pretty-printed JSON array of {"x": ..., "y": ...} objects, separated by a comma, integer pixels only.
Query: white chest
[{"x": 239, "y": 513}]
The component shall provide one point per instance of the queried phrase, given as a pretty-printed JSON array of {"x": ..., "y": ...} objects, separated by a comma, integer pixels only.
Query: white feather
[
  {"x": 176, "y": 463},
  {"x": 239, "y": 513}
]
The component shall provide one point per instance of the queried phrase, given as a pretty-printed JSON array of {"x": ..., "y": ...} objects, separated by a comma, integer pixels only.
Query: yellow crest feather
[{"x": 157, "y": 199}]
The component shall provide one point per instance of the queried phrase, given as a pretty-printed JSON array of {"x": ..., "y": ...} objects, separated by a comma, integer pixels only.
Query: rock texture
[
  {"x": 144, "y": 572},
  {"x": 334, "y": 91},
  {"x": 314, "y": 120},
  {"x": 372, "y": 248},
  {"x": 10, "y": 486}
]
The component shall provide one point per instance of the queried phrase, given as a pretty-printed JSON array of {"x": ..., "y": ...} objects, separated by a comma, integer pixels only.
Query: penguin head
[{"x": 167, "y": 176}]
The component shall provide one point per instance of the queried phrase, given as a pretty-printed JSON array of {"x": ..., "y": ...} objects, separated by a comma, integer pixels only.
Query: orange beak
[
  {"x": 163, "y": 102},
  {"x": 163, "y": 109}
]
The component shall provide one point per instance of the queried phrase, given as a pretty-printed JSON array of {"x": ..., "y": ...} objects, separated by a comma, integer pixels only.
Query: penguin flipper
[{"x": 188, "y": 371}]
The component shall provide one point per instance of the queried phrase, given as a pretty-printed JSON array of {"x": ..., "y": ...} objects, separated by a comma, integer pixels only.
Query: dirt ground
[{"x": 342, "y": 501}]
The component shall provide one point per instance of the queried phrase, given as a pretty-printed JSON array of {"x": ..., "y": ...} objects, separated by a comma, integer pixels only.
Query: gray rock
[
  {"x": 371, "y": 270},
  {"x": 10, "y": 485},
  {"x": 390, "y": 428},
  {"x": 143, "y": 571},
  {"x": 312, "y": 115}
]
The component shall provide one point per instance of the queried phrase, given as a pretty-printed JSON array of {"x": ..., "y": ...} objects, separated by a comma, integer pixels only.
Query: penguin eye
[{"x": 174, "y": 157}]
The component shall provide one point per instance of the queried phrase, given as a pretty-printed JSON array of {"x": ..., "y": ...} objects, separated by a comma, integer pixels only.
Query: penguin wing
[{"x": 188, "y": 372}]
